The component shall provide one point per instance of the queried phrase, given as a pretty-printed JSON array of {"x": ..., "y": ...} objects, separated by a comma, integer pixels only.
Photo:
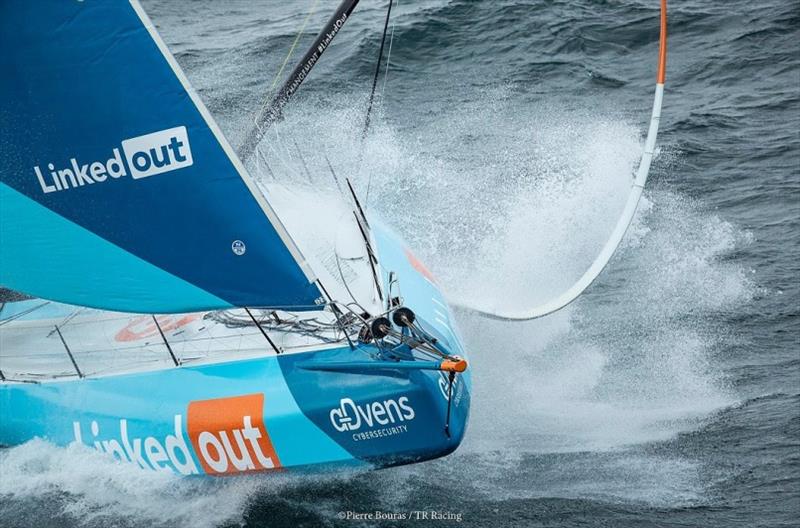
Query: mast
[{"x": 271, "y": 112}]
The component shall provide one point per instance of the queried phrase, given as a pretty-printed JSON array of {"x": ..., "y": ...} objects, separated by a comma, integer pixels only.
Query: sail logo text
[
  {"x": 350, "y": 416},
  {"x": 226, "y": 436},
  {"x": 142, "y": 156}
]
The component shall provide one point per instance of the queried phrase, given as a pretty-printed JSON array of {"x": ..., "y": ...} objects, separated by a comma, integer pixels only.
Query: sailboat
[{"x": 177, "y": 313}]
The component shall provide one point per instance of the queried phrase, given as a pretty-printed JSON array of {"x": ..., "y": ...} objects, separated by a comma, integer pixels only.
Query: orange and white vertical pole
[
  {"x": 625, "y": 218},
  {"x": 662, "y": 46},
  {"x": 652, "y": 132}
]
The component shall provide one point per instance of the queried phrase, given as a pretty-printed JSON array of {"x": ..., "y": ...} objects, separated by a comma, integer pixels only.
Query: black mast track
[{"x": 272, "y": 112}]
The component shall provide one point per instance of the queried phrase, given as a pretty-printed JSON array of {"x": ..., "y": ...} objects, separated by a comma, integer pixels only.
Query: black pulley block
[
  {"x": 403, "y": 316},
  {"x": 365, "y": 334},
  {"x": 380, "y": 327}
]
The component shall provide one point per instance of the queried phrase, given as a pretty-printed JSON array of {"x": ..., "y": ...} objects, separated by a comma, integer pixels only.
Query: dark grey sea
[{"x": 502, "y": 145}]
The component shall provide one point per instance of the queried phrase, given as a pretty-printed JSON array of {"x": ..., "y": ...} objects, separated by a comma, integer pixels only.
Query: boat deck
[{"x": 45, "y": 341}]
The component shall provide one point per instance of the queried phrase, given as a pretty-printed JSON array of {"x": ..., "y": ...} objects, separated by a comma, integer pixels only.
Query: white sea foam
[{"x": 96, "y": 490}]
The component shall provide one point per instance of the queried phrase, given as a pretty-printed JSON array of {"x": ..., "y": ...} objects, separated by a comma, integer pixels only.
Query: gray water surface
[{"x": 502, "y": 147}]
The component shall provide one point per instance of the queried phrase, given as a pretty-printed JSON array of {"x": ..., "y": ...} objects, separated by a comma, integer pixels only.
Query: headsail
[{"x": 117, "y": 188}]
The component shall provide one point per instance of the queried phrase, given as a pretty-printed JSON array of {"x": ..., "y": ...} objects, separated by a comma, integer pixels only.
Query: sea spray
[{"x": 518, "y": 220}]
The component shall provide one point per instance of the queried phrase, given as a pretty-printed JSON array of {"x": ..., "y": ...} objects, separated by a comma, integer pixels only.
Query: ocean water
[{"x": 502, "y": 146}]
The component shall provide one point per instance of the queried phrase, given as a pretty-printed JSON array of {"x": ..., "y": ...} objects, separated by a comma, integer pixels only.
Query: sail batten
[{"x": 119, "y": 191}]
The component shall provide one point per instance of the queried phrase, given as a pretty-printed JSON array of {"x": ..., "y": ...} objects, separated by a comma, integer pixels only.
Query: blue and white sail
[{"x": 117, "y": 188}]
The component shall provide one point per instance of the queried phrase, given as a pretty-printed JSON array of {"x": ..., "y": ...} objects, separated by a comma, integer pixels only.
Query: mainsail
[{"x": 117, "y": 189}]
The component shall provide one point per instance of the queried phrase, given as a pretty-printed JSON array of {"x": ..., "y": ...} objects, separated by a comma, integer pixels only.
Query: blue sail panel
[
  {"x": 102, "y": 134},
  {"x": 82, "y": 286}
]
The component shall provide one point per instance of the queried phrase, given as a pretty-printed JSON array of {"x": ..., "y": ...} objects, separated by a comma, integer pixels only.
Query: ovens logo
[
  {"x": 226, "y": 436},
  {"x": 350, "y": 416},
  {"x": 142, "y": 156}
]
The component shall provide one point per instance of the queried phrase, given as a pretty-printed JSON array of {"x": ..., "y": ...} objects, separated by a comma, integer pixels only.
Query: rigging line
[
  {"x": 355, "y": 200},
  {"x": 344, "y": 282},
  {"x": 363, "y": 227},
  {"x": 337, "y": 314},
  {"x": 72, "y": 316},
  {"x": 166, "y": 343},
  {"x": 333, "y": 173},
  {"x": 377, "y": 68},
  {"x": 303, "y": 161},
  {"x": 263, "y": 159},
  {"x": 388, "y": 57},
  {"x": 18, "y": 380},
  {"x": 263, "y": 332},
  {"x": 23, "y": 313},
  {"x": 69, "y": 352},
  {"x": 288, "y": 56},
  {"x": 372, "y": 98},
  {"x": 68, "y": 318},
  {"x": 370, "y": 257}
]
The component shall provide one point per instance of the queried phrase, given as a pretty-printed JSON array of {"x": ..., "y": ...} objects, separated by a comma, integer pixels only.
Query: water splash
[
  {"x": 512, "y": 204},
  {"x": 83, "y": 485}
]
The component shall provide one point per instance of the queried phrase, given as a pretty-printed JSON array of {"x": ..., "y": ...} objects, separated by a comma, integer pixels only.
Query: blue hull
[{"x": 243, "y": 416}]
